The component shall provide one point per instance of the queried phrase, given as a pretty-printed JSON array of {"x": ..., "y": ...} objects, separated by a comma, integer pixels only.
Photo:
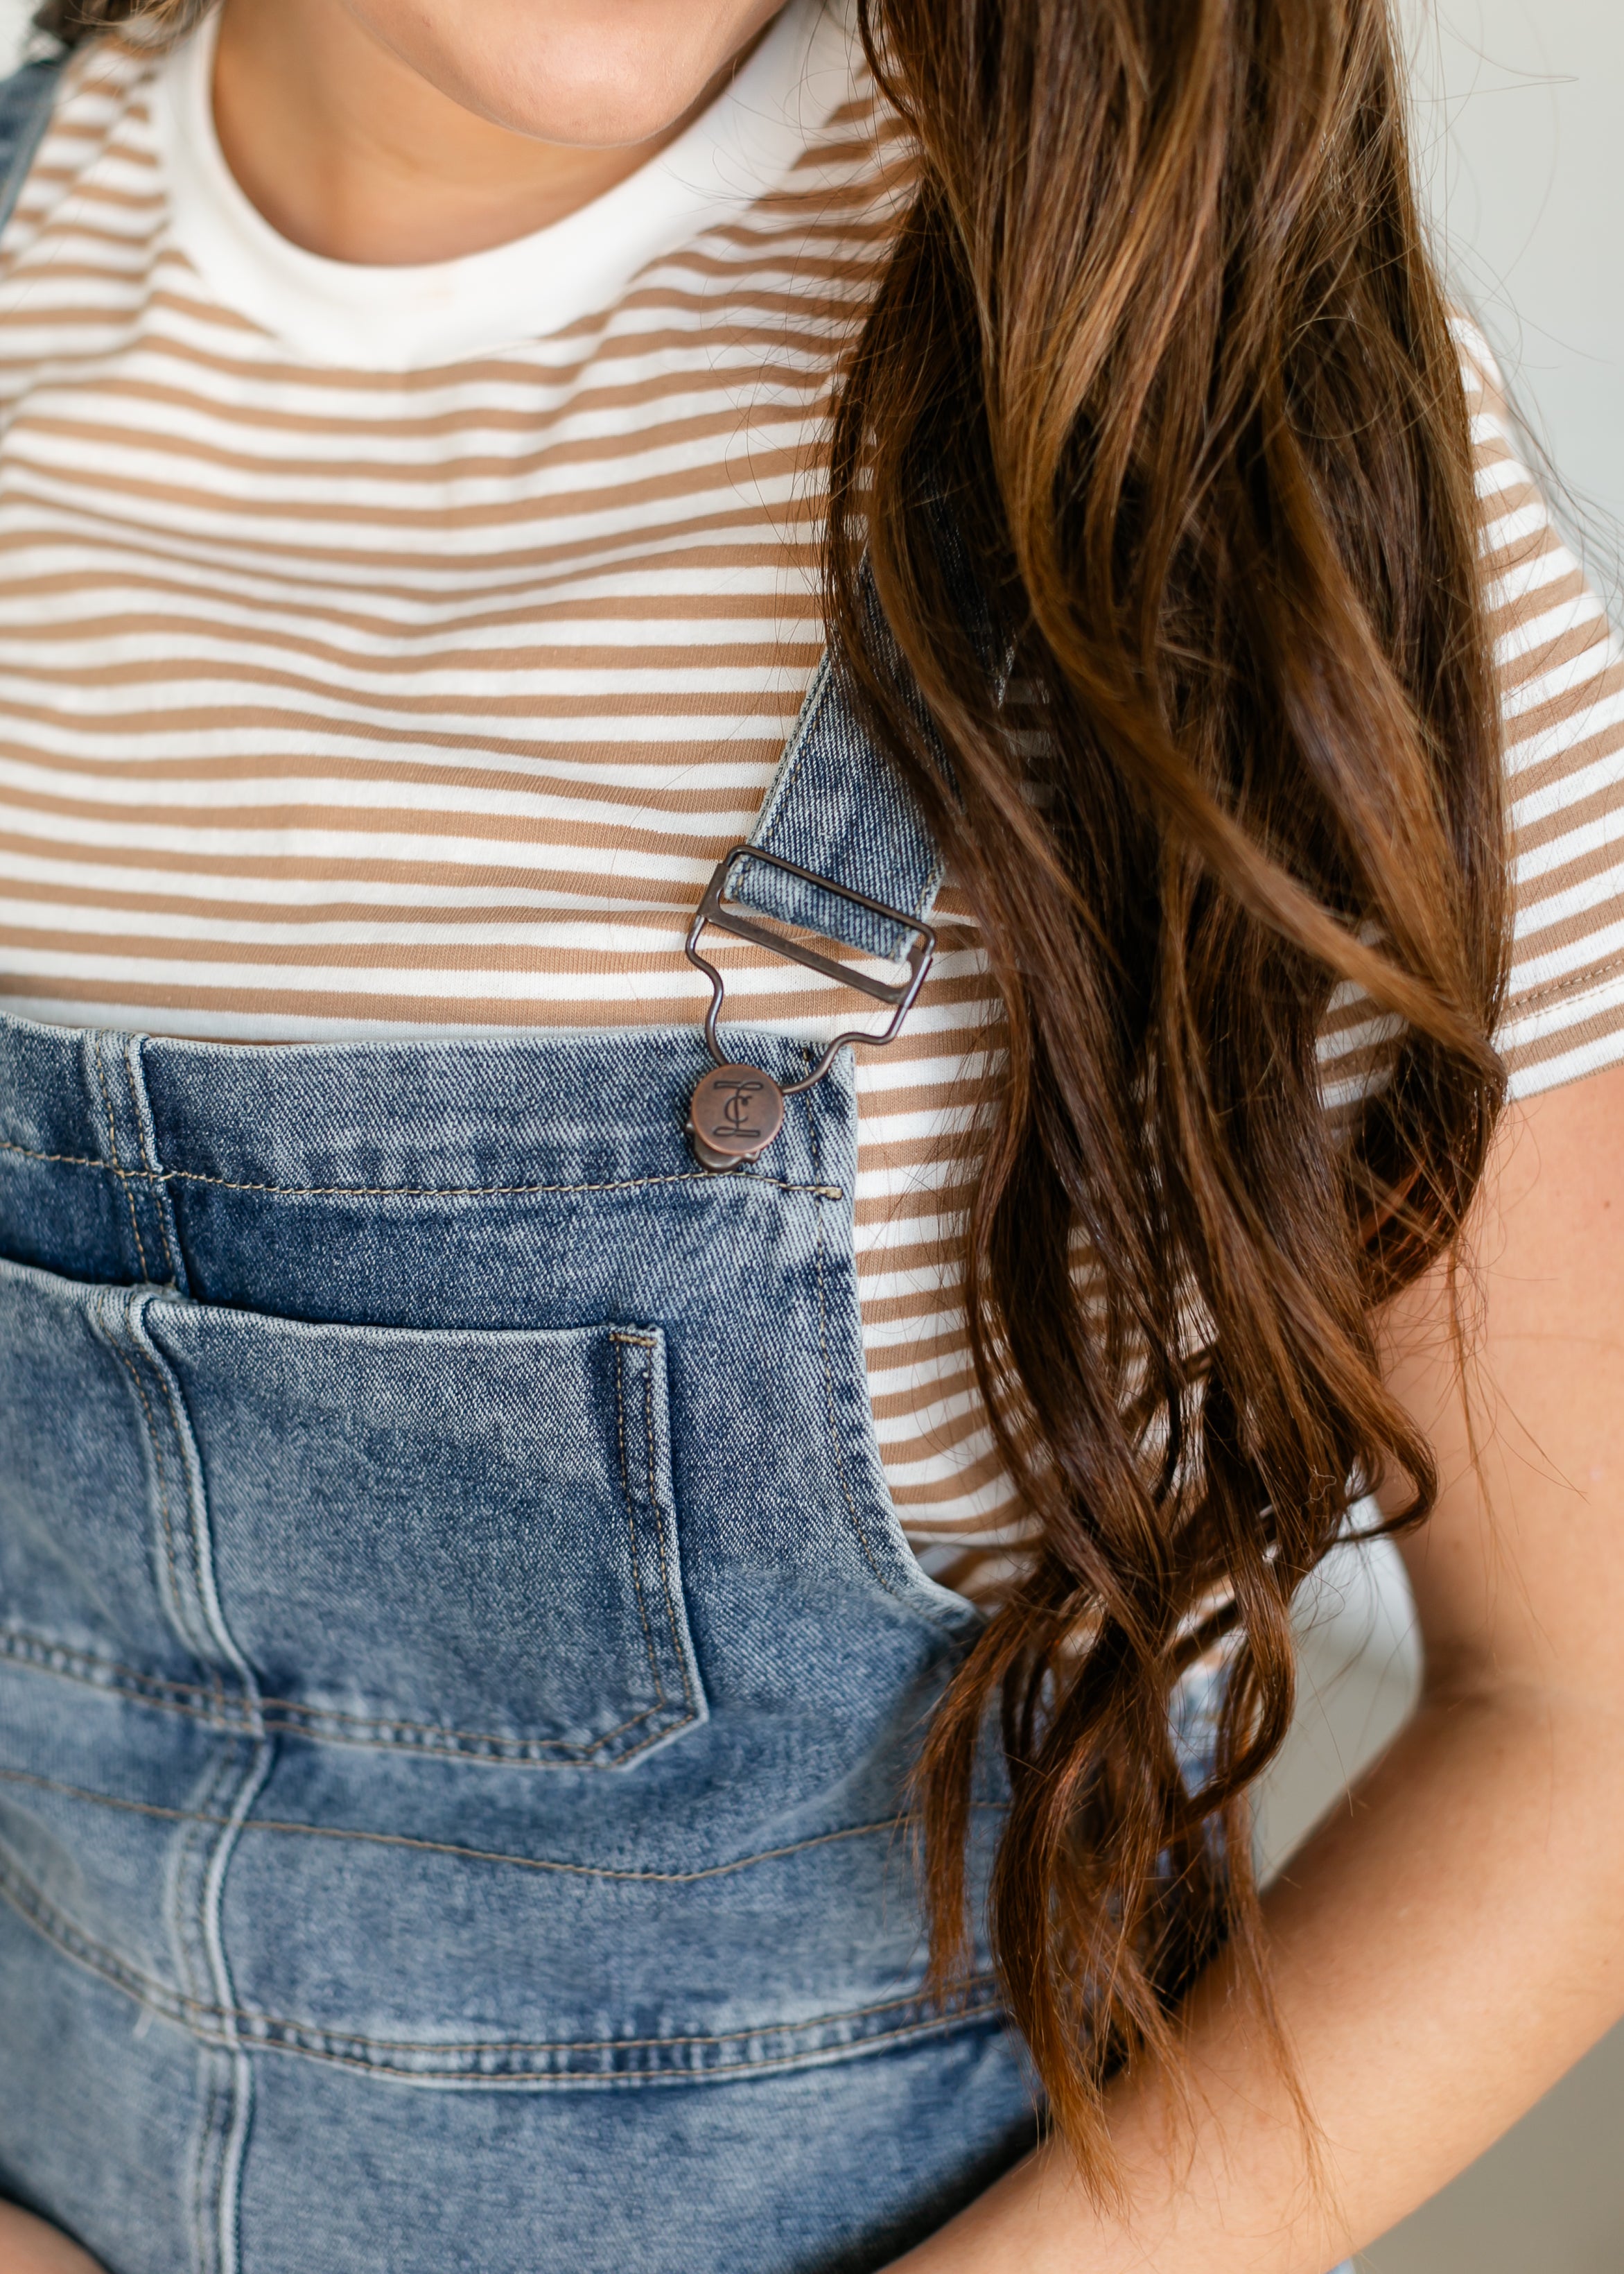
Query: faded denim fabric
[
  {"x": 831, "y": 810},
  {"x": 460, "y": 1665}
]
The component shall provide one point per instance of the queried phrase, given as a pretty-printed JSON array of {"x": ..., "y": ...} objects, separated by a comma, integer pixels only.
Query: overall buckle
[{"x": 736, "y": 1110}]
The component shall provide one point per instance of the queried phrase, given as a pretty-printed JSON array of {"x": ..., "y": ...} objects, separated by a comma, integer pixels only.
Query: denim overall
[{"x": 460, "y": 1663}]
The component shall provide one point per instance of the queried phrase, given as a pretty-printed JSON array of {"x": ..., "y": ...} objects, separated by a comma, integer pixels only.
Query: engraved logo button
[{"x": 735, "y": 1114}]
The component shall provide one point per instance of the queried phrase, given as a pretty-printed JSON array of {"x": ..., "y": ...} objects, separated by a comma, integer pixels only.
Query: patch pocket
[{"x": 460, "y": 1543}]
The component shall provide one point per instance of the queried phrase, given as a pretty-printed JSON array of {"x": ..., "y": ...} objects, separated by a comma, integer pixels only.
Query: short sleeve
[{"x": 1562, "y": 690}]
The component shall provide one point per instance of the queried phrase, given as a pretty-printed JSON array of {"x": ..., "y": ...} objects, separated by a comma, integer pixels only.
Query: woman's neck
[{"x": 349, "y": 152}]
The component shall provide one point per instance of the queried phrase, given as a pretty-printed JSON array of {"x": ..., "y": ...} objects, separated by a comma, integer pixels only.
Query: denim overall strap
[
  {"x": 838, "y": 807},
  {"x": 25, "y": 103}
]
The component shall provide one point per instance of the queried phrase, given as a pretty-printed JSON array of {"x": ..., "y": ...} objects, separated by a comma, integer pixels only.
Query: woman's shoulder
[{"x": 73, "y": 120}]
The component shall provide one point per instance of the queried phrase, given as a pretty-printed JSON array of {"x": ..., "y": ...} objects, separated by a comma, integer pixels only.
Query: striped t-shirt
[{"x": 396, "y": 651}]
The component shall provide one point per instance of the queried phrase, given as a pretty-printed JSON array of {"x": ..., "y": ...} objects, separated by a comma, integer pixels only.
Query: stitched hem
[
  {"x": 244, "y": 1717},
  {"x": 419, "y": 1192}
]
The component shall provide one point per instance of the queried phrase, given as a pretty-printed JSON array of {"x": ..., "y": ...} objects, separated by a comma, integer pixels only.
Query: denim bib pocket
[{"x": 458, "y": 1543}]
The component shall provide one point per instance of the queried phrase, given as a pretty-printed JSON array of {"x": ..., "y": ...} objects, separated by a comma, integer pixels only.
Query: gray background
[{"x": 1519, "y": 126}]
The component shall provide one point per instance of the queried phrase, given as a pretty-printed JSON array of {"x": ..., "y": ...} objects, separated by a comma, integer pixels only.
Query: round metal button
[{"x": 735, "y": 1114}]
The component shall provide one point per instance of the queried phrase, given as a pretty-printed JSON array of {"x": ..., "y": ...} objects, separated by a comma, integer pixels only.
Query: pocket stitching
[
  {"x": 631, "y": 1537},
  {"x": 677, "y": 1720},
  {"x": 336, "y": 1725},
  {"x": 225, "y": 1712},
  {"x": 659, "y": 1528}
]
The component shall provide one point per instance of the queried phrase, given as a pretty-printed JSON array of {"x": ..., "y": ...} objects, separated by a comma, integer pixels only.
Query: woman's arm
[
  {"x": 29, "y": 2246},
  {"x": 1451, "y": 1941}
]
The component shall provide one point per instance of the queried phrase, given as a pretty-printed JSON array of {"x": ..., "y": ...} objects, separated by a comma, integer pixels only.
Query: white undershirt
[{"x": 742, "y": 145}]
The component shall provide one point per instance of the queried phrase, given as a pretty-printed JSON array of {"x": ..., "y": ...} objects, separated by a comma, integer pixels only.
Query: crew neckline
[{"x": 740, "y": 147}]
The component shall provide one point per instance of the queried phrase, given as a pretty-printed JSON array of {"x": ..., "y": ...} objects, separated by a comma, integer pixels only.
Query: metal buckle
[{"x": 737, "y": 1110}]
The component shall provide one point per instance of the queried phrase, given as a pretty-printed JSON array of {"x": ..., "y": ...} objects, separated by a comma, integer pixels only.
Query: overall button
[{"x": 735, "y": 1114}]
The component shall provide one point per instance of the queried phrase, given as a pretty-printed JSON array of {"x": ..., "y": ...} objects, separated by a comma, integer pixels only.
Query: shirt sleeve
[{"x": 1561, "y": 691}]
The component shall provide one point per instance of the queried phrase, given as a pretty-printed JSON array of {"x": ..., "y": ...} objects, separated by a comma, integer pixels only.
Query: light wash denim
[{"x": 460, "y": 1663}]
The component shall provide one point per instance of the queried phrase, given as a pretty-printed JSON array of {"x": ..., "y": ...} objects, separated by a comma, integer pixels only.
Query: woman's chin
[{"x": 585, "y": 76}]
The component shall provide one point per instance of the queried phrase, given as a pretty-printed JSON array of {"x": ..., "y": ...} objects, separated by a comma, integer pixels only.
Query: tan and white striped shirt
[{"x": 393, "y": 650}]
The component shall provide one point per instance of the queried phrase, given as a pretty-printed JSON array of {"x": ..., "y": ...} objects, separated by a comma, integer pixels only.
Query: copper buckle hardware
[{"x": 736, "y": 1110}]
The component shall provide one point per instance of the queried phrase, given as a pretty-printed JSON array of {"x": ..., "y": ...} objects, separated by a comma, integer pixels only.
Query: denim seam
[
  {"x": 665, "y": 1706},
  {"x": 130, "y": 1367},
  {"x": 199, "y": 2182},
  {"x": 177, "y": 1862},
  {"x": 63, "y": 1160},
  {"x": 850, "y": 1498},
  {"x": 631, "y": 1534},
  {"x": 613, "y": 2045},
  {"x": 200, "y": 1581},
  {"x": 422, "y": 1192},
  {"x": 51, "y": 1922},
  {"x": 189, "y": 1841},
  {"x": 201, "y": 1820},
  {"x": 35, "y": 1650},
  {"x": 237, "y": 1718},
  {"x": 897, "y": 1594},
  {"x": 112, "y": 1145},
  {"x": 137, "y": 1364},
  {"x": 548, "y": 1865},
  {"x": 219, "y": 2168},
  {"x": 147, "y": 1169},
  {"x": 977, "y": 2006},
  {"x": 985, "y": 2008},
  {"x": 192, "y": 1965},
  {"x": 658, "y": 1512},
  {"x": 633, "y": 1752}
]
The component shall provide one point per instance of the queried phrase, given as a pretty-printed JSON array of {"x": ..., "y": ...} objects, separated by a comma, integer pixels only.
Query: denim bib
[{"x": 460, "y": 1663}]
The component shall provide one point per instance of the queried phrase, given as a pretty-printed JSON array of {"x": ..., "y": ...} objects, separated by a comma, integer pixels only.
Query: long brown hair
[
  {"x": 73, "y": 20},
  {"x": 1159, "y": 368}
]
